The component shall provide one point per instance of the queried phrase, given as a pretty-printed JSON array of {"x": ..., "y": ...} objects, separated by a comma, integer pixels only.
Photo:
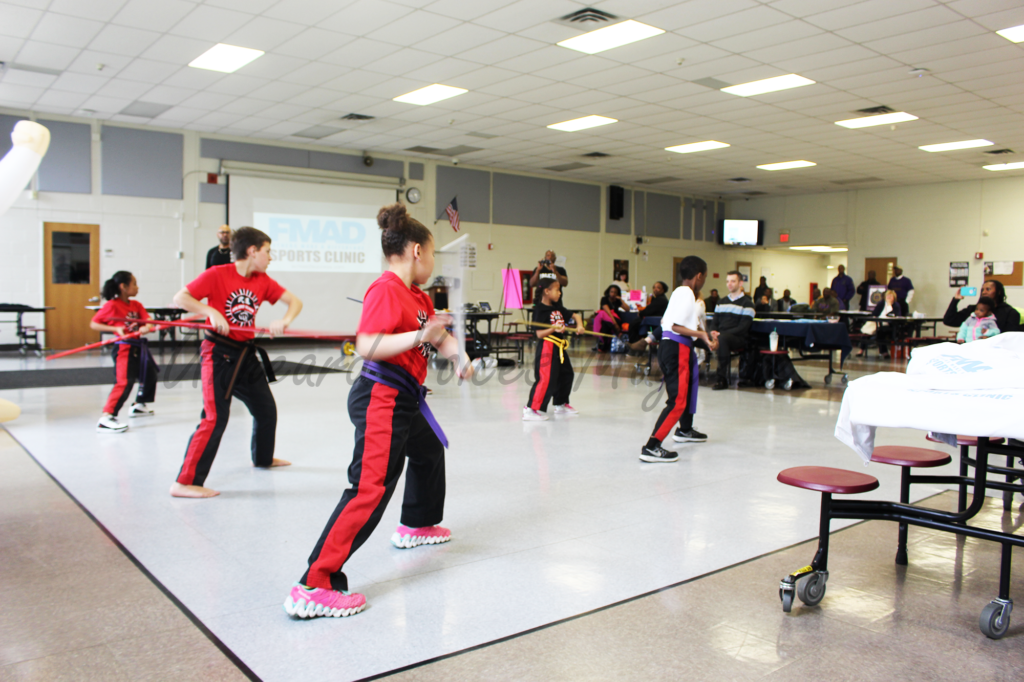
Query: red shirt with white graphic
[
  {"x": 236, "y": 297},
  {"x": 115, "y": 310},
  {"x": 389, "y": 307}
]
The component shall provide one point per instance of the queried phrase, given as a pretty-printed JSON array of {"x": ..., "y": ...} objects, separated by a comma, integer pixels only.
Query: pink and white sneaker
[
  {"x": 566, "y": 409},
  {"x": 531, "y": 415},
  {"x": 406, "y": 537},
  {"x": 304, "y": 602}
]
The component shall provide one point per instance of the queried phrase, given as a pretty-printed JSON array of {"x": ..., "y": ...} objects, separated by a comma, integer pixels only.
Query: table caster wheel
[
  {"x": 811, "y": 589},
  {"x": 845, "y": 379},
  {"x": 770, "y": 384},
  {"x": 787, "y": 599},
  {"x": 995, "y": 620},
  {"x": 828, "y": 379}
]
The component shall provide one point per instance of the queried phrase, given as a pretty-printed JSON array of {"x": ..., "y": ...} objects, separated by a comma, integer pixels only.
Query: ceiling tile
[
  {"x": 516, "y": 16},
  {"x": 398, "y": 63},
  {"x": 501, "y": 50},
  {"x": 61, "y": 29},
  {"x": 412, "y": 28},
  {"x": 457, "y": 39},
  {"x": 694, "y": 12},
  {"x": 176, "y": 49},
  {"x": 361, "y": 18},
  {"x": 734, "y": 23},
  {"x": 148, "y": 71},
  {"x": 34, "y": 53},
  {"x": 154, "y": 16},
  {"x": 19, "y": 95},
  {"x": 272, "y": 66},
  {"x": 251, "y": 6},
  {"x": 312, "y": 43},
  {"x": 306, "y": 12},
  {"x": 19, "y": 22},
  {"x": 865, "y": 12},
  {"x": 123, "y": 40},
  {"x": 263, "y": 33},
  {"x": 210, "y": 23},
  {"x": 359, "y": 52}
]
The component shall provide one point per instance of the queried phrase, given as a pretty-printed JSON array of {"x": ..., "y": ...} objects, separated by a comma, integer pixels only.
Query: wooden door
[
  {"x": 882, "y": 267},
  {"x": 71, "y": 271}
]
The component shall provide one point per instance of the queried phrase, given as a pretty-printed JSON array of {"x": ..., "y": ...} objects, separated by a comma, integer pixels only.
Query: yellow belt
[{"x": 561, "y": 343}]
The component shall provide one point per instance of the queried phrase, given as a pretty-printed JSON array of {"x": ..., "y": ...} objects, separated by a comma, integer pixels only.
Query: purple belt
[
  {"x": 397, "y": 378},
  {"x": 145, "y": 357}
]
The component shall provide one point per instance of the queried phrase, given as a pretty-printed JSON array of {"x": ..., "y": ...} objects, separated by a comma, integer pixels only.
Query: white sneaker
[
  {"x": 109, "y": 424},
  {"x": 566, "y": 409},
  {"x": 140, "y": 410},
  {"x": 531, "y": 415}
]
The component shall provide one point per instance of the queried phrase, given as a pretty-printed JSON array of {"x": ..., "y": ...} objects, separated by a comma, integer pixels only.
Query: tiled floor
[{"x": 557, "y": 516}]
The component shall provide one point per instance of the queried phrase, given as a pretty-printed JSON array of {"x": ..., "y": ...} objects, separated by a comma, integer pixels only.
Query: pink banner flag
[{"x": 512, "y": 285}]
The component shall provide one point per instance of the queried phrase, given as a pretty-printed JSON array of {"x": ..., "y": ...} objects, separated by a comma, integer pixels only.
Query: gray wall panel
[
  {"x": 415, "y": 171},
  {"x": 663, "y": 214},
  {"x": 698, "y": 219},
  {"x": 711, "y": 229},
  {"x": 687, "y": 218},
  {"x": 520, "y": 200},
  {"x": 350, "y": 163},
  {"x": 639, "y": 203},
  {"x": 142, "y": 163},
  {"x": 574, "y": 206},
  {"x": 67, "y": 166},
  {"x": 622, "y": 226},
  {"x": 213, "y": 194},
  {"x": 253, "y": 153},
  {"x": 471, "y": 187}
]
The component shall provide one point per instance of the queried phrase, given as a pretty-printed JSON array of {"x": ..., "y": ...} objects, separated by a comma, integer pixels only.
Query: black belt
[{"x": 243, "y": 348}]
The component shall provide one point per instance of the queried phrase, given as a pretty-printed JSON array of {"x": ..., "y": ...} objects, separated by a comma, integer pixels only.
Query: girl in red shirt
[
  {"x": 392, "y": 422},
  {"x": 130, "y": 356}
]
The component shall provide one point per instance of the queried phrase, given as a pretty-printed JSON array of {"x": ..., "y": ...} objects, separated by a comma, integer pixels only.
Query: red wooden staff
[{"x": 95, "y": 345}]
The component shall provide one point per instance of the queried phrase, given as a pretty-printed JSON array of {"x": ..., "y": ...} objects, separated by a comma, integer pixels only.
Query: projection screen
[{"x": 325, "y": 244}]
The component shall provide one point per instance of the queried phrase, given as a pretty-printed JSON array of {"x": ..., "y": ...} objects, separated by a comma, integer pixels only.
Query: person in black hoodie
[
  {"x": 864, "y": 289},
  {"x": 656, "y": 308},
  {"x": 733, "y": 316},
  {"x": 1007, "y": 316}
]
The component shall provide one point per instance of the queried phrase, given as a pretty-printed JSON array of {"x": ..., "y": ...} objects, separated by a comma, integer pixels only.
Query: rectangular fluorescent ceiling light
[
  {"x": 430, "y": 94},
  {"x": 786, "y": 165},
  {"x": 880, "y": 120},
  {"x": 1014, "y": 34},
  {"x": 225, "y": 58},
  {"x": 611, "y": 36},
  {"x": 768, "y": 85},
  {"x": 820, "y": 249},
  {"x": 951, "y": 146},
  {"x": 1005, "y": 166},
  {"x": 582, "y": 123},
  {"x": 696, "y": 147}
]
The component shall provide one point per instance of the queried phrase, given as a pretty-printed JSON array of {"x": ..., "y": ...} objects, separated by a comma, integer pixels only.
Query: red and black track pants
[
  {"x": 128, "y": 359},
  {"x": 553, "y": 377},
  {"x": 679, "y": 369},
  {"x": 219, "y": 364},
  {"x": 390, "y": 429}
]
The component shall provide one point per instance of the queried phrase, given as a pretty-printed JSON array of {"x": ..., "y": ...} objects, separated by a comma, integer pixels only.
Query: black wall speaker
[{"x": 616, "y": 202}]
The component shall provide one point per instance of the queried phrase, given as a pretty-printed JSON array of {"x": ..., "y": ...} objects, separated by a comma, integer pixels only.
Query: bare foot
[
  {"x": 277, "y": 463},
  {"x": 196, "y": 491}
]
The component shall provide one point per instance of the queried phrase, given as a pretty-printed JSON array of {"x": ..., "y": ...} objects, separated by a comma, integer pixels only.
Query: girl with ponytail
[
  {"x": 131, "y": 356},
  {"x": 393, "y": 425}
]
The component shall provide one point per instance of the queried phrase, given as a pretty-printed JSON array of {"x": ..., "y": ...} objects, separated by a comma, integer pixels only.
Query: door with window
[{"x": 71, "y": 270}]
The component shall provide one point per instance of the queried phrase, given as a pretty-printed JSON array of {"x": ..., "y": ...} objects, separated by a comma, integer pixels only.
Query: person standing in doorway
[
  {"x": 220, "y": 254},
  {"x": 842, "y": 288}
]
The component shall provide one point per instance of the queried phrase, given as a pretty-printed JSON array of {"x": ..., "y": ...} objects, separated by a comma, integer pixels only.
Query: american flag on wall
[{"x": 452, "y": 209}]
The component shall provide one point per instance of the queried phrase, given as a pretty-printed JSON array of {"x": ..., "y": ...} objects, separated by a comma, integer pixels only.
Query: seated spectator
[
  {"x": 711, "y": 301},
  {"x": 764, "y": 305},
  {"x": 827, "y": 304},
  {"x": 609, "y": 317},
  {"x": 1007, "y": 317},
  {"x": 881, "y": 333},
  {"x": 733, "y": 316},
  {"x": 656, "y": 308},
  {"x": 784, "y": 304},
  {"x": 981, "y": 324}
]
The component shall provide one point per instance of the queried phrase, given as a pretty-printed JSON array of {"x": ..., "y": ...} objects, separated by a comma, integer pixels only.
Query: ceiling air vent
[
  {"x": 596, "y": 155},
  {"x": 996, "y": 152},
  {"x": 876, "y": 110},
  {"x": 755, "y": 194},
  {"x": 357, "y": 117},
  {"x": 587, "y": 18},
  {"x": 569, "y": 166},
  {"x": 482, "y": 136},
  {"x": 658, "y": 181},
  {"x": 738, "y": 180}
]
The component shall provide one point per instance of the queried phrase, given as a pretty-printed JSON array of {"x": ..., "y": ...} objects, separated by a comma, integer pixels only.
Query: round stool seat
[
  {"x": 964, "y": 440},
  {"x": 774, "y": 352},
  {"x": 828, "y": 480},
  {"x": 903, "y": 456}
]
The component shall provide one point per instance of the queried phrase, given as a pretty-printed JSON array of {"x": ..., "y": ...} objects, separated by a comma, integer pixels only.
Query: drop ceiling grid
[{"x": 328, "y": 58}]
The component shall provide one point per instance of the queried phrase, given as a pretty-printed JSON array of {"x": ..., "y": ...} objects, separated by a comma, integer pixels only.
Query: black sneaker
[
  {"x": 720, "y": 385},
  {"x": 657, "y": 454},
  {"x": 691, "y": 436}
]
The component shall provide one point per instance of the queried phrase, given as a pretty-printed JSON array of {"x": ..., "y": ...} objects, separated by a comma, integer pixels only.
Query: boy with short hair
[
  {"x": 679, "y": 328},
  {"x": 230, "y": 367}
]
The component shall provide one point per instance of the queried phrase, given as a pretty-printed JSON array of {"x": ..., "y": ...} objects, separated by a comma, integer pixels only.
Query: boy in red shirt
[
  {"x": 392, "y": 422},
  {"x": 130, "y": 356},
  {"x": 230, "y": 366}
]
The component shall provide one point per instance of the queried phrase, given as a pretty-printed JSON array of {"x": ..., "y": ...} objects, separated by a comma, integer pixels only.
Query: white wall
[{"x": 924, "y": 226}]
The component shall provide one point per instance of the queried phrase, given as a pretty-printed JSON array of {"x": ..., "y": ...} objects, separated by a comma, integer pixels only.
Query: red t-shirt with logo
[
  {"x": 389, "y": 307},
  {"x": 115, "y": 310},
  {"x": 236, "y": 297}
]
